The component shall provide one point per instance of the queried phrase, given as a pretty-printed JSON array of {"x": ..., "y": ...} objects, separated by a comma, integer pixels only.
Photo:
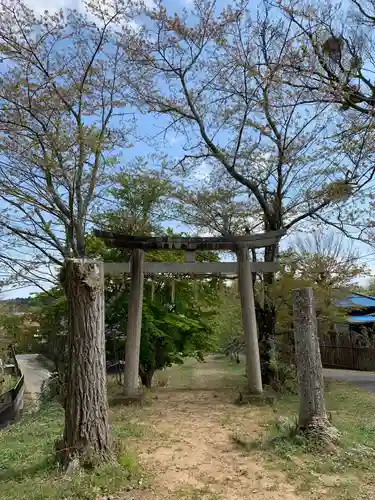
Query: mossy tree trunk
[
  {"x": 267, "y": 319},
  {"x": 86, "y": 433}
]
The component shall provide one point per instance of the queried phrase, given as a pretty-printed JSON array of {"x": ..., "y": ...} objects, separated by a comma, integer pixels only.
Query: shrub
[
  {"x": 52, "y": 389},
  {"x": 284, "y": 377}
]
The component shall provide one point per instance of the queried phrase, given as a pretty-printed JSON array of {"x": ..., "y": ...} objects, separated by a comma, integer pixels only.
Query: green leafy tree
[
  {"x": 16, "y": 330},
  {"x": 48, "y": 314},
  {"x": 170, "y": 332},
  {"x": 227, "y": 322}
]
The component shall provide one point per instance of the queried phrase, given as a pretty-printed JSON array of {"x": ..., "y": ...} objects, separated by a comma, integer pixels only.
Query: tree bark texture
[
  {"x": 266, "y": 316},
  {"x": 86, "y": 410},
  {"x": 312, "y": 413},
  {"x": 134, "y": 325},
  {"x": 254, "y": 378}
]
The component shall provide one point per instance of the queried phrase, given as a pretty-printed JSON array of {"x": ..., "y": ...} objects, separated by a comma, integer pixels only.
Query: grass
[
  {"x": 216, "y": 373},
  {"x": 28, "y": 470},
  {"x": 9, "y": 381},
  {"x": 346, "y": 471}
]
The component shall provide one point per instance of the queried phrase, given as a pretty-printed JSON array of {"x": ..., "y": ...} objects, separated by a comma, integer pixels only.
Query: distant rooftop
[
  {"x": 356, "y": 299},
  {"x": 361, "y": 319}
]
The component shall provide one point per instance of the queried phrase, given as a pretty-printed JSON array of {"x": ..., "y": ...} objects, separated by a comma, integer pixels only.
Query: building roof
[
  {"x": 356, "y": 299},
  {"x": 361, "y": 319}
]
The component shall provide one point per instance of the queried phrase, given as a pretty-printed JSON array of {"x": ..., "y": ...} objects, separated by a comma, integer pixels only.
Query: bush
[
  {"x": 285, "y": 377},
  {"x": 52, "y": 389},
  {"x": 7, "y": 382}
]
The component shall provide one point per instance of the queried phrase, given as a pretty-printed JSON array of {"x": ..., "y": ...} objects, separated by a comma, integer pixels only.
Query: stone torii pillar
[
  {"x": 253, "y": 370},
  {"x": 134, "y": 324}
]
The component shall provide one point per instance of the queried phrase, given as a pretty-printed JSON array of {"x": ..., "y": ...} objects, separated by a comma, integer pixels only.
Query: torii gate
[{"x": 137, "y": 268}]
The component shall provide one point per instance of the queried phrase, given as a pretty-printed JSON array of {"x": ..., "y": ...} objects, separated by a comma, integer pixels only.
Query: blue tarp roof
[
  {"x": 361, "y": 319},
  {"x": 357, "y": 299}
]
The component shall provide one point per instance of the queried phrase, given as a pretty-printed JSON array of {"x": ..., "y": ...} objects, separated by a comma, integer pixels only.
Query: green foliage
[
  {"x": 227, "y": 322},
  {"x": 15, "y": 329},
  {"x": 10, "y": 329},
  {"x": 325, "y": 262},
  {"x": 49, "y": 315},
  {"x": 52, "y": 389},
  {"x": 285, "y": 379},
  {"x": 170, "y": 332},
  {"x": 7, "y": 382},
  {"x": 370, "y": 288},
  {"x": 141, "y": 196}
]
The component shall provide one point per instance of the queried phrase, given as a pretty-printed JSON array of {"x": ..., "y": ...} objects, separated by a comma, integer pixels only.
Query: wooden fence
[
  {"x": 352, "y": 350},
  {"x": 339, "y": 351},
  {"x": 11, "y": 402},
  {"x": 348, "y": 357}
]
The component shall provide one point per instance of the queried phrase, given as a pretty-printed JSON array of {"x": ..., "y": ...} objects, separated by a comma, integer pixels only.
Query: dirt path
[
  {"x": 34, "y": 373},
  {"x": 192, "y": 454}
]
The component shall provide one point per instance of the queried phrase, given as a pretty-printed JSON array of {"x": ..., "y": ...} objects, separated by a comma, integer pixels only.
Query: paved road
[
  {"x": 34, "y": 373},
  {"x": 365, "y": 380}
]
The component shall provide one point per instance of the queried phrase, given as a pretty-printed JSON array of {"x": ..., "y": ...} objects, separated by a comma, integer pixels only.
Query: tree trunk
[
  {"x": 266, "y": 316},
  {"x": 312, "y": 412},
  {"x": 146, "y": 377},
  {"x": 86, "y": 433},
  {"x": 267, "y": 334}
]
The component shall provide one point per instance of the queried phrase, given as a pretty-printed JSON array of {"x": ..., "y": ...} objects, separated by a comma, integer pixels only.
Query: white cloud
[
  {"x": 203, "y": 171},
  {"x": 174, "y": 139}
]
